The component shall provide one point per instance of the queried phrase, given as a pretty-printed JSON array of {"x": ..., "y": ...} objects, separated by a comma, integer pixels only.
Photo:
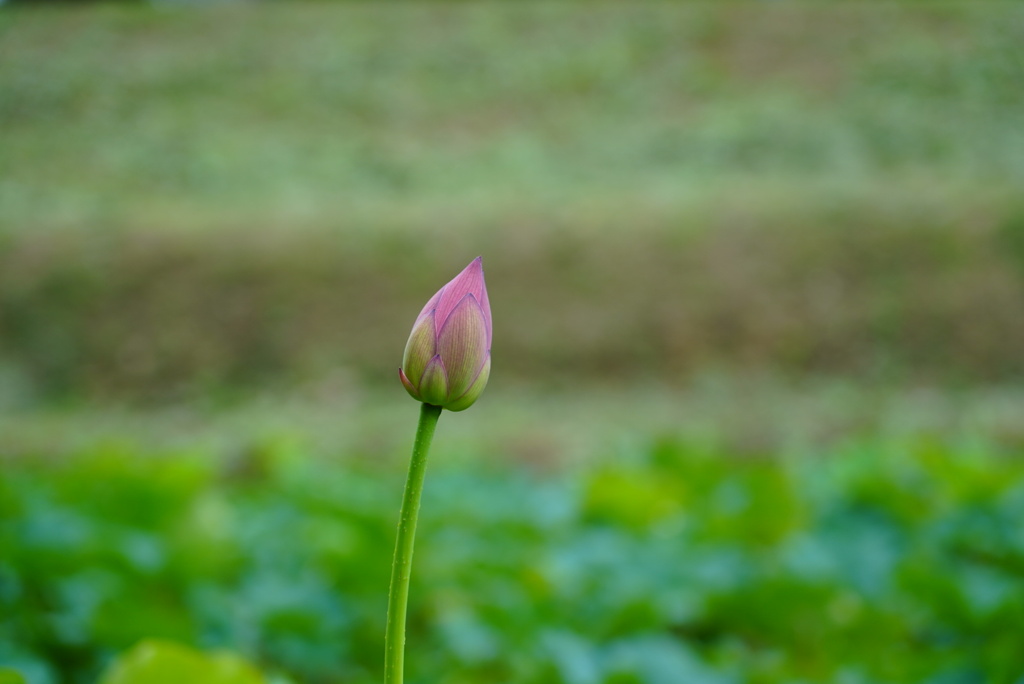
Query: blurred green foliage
[
  {"x": 875, "y": 560},
  {"x": 253, "y": 196},
  {"x": 164, "y": 662},
  {"x": 9, "y": 676}
]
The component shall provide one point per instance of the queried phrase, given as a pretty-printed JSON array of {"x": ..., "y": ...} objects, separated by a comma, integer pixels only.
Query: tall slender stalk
[{"x": 401, "y": 571}]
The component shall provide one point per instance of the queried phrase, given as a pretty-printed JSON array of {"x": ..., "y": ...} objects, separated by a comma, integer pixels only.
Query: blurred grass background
[
  {"x": 757, "y": 272},
  {"x": 196, "y": 201}
]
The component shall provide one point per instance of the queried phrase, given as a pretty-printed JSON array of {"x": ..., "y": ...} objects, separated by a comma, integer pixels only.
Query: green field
[
  {"x": 741, "y": 531},
  {"x": 315, "y": 113},
  {"x": 196, "y": 201},
  {"x": 757, "y": 407}
]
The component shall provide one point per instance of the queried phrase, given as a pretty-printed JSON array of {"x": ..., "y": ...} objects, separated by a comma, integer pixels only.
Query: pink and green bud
[{"x": 448, "y": 356}]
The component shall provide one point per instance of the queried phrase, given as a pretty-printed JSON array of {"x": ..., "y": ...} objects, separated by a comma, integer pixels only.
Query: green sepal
[
  {"x": 433, "y": 386},
  {"x": 419, "y": 350},
  {"x": 474, "y": 391}
]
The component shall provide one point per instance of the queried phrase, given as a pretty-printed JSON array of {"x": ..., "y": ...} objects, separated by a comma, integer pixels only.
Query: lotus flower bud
[{"x": 448, "y": 356}]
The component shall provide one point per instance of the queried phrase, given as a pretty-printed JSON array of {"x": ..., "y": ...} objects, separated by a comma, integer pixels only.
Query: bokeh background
[{"x": 757, "y": 272}]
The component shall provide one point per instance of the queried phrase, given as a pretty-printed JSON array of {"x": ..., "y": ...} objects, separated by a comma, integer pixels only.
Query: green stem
[{"x": 398, "y": 597}]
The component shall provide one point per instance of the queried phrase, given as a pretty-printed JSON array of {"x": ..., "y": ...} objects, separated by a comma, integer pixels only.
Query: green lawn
[{"x": 370, "y": 115}]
